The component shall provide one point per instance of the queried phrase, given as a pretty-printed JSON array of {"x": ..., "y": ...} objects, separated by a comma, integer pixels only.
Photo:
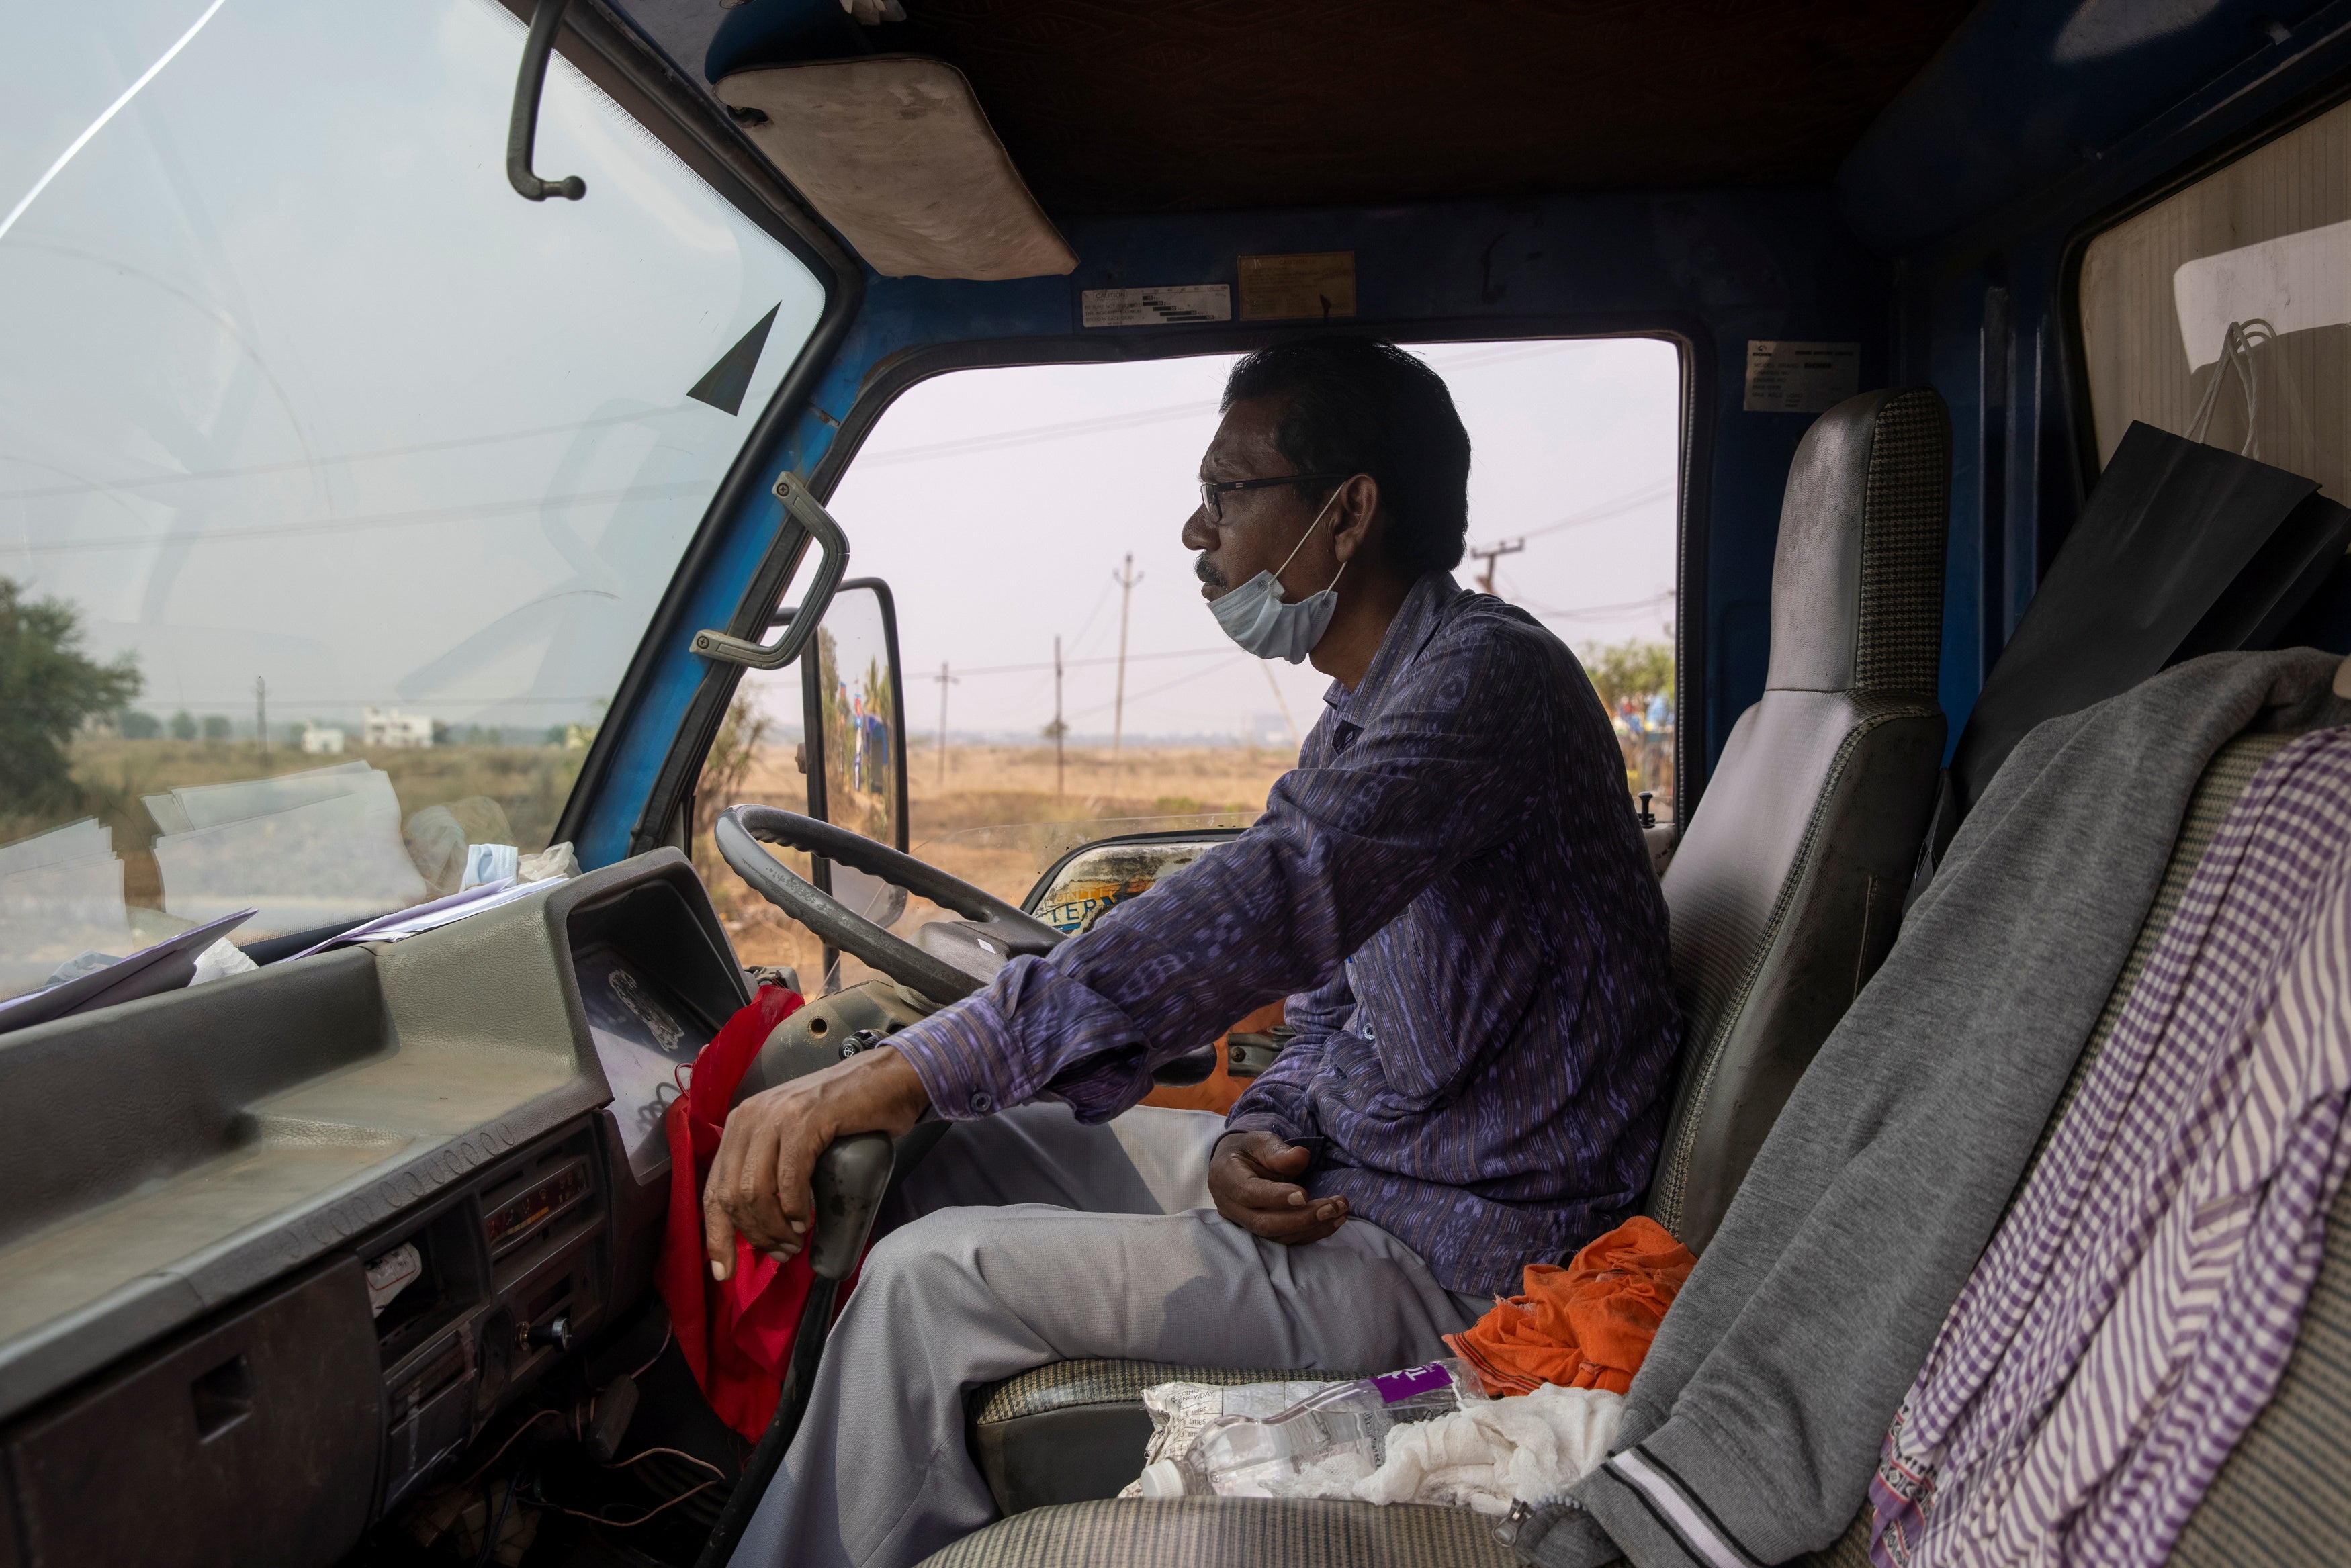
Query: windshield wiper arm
[{"x": 522, "y": 127}]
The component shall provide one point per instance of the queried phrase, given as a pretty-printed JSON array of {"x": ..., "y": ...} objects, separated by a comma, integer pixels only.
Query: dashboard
[{"x": 279, "y": 1246}]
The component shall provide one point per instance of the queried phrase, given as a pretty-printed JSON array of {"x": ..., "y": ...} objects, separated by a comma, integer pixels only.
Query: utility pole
[
  {"x": 261, "y": 718},
  {"x": 1488, "y": 554},
  {"x": 945, "y": 680},
  {"x": 1125, "y": 579},
  {"x": 1290, "y": 723},
  {"x": 1060, "y": 730}
]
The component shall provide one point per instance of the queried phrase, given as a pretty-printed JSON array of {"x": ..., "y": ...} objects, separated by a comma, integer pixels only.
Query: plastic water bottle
[{"x": 1319, "y": 1447}]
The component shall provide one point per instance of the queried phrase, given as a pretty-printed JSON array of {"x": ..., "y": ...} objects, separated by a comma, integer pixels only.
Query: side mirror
[{"x": 854, "y": 720}]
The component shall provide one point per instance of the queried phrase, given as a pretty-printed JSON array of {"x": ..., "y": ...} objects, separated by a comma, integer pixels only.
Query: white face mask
[{"x": 1254, "y": 616}]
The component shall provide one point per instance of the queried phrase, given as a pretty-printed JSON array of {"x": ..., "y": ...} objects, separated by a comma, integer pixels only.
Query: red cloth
[{"x": 736, "y": 1336}]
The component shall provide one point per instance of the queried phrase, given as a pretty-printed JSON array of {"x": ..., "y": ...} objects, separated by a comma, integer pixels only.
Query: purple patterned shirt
[{"x": 1452, "y": 884}]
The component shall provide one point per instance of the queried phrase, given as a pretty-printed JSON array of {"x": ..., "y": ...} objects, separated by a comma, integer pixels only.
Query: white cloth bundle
[{"x": 1486, "y": 1456}]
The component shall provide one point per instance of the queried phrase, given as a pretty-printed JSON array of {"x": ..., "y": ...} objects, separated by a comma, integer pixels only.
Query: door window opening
[
  {"x": 1013, "y": 508},
  {"x": 2223, "y": 312}
]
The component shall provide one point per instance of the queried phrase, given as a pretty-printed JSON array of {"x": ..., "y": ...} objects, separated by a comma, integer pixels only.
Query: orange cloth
[{"x": 1587, "y": 1326}]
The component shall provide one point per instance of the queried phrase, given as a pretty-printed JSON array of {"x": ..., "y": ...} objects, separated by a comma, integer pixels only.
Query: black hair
[{"x": 1358, "y": 405}]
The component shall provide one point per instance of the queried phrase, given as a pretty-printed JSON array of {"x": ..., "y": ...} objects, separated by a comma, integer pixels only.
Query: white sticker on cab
[
  {"x": 1156, "y": 307},
  {"x": 1799, "y": 377}
]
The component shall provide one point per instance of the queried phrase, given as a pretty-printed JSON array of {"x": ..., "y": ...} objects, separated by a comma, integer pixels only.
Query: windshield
[{"x": 338, "y": 482}]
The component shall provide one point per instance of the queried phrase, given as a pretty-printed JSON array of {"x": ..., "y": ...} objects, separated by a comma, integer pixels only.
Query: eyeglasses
[{"x": 1212, "y": 492}]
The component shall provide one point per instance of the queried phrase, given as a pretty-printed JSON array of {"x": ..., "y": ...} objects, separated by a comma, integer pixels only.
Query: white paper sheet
[
  {"x": 336, "y": 859},
  {"x": 210, "y": 805},
  {"x": 74, "y": 841}
]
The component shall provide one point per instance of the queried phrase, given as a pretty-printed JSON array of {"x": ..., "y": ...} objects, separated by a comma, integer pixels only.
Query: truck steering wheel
[{"x": 990, "y": 925}]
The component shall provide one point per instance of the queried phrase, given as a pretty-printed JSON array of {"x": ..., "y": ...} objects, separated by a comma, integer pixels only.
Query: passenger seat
[
  {"x": 1786, "y": 889},
  {"x": 1785, "y": 895}
]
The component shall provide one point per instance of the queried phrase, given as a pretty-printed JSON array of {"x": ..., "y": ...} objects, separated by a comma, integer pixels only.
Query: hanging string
[{"x": 2237, "y": 345}]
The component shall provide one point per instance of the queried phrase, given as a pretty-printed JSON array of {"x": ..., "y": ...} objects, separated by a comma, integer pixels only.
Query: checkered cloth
[{"x": 2134, "y": 1312}]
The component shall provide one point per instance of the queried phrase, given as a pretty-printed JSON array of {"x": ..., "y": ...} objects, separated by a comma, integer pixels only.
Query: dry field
[
  {"x": 530, "y": 784},
  {"x": 997, "y": 821}
]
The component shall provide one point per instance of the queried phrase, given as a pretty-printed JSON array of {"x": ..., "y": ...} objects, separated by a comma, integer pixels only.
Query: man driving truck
[{"x": 1452, "y": 893}]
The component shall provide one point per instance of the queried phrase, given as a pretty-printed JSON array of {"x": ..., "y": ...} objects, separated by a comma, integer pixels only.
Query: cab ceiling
[{"x": 1141, "y": 106}]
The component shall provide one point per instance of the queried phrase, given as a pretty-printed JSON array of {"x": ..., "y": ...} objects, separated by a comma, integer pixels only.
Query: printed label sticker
[
  {"x": 1799, "y": 377},
  {"x": 1156, "y": 307},
  {"x": 1312, "y": 284}
]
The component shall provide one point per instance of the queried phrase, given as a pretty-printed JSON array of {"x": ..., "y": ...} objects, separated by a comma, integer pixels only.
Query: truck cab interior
[{"x": 498, "y": 363}]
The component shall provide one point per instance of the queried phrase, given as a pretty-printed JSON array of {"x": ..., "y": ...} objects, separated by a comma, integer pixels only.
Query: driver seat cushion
[
  {"x": 1075, "y": 1430},
  {"x": 1199, "y": 1532}
]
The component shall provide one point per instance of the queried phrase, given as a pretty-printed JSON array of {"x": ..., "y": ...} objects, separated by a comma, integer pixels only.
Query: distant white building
[
  {"x": 390, "y": 727},
  {"x": 326, "y": 741},
  {"x": 1269, "y": 731}
]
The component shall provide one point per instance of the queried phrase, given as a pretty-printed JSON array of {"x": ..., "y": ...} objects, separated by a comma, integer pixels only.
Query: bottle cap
[{"x": 1162, "y": 1478}]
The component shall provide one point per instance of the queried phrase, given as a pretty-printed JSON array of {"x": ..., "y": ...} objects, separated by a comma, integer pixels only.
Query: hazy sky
[
  {"x": 296, "y": 388},
  {"x": 999, "y": 505}
]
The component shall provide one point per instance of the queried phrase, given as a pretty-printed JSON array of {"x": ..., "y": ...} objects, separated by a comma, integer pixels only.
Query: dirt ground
[
  {"x": 529, "y": 784},
  {"x": 997, "y": 820}
]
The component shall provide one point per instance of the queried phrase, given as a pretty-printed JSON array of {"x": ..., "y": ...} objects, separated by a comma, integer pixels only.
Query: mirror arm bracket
[
  {"x": 805, "y": 518},
  {"x": 522, "y": 125}
]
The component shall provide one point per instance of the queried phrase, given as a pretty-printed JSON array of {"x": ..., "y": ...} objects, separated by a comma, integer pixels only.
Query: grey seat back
[{"x": 1786, "y": 890}]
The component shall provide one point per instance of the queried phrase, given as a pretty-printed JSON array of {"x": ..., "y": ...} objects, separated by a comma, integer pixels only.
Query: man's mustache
[{"x": 1206, "y": 570}]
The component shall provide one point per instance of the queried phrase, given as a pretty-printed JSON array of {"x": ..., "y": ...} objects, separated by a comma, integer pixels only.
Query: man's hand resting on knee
[
  {"x": 1250, "y": 1176},
  {"x": 759, "y": 1183}
]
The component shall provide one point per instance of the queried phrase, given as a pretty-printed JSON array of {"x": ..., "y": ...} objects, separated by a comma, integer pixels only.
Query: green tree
[
  {"x": 47, "y": 686},
  {"x": 215, "y": 727},
  {"x": 183, "y": 725},
  {"x": 139, "y": 725},
  {"x": 1634, "y": 668}
]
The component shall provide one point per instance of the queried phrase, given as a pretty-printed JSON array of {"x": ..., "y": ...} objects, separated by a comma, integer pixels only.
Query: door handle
[{"x": 805, "y": 519}]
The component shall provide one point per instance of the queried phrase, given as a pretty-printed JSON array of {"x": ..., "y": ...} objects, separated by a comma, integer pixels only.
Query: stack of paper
[
  {"x": 302, "y": 850},
  {"x": 403, "y": 924},
  {"x": 60, "y": 894},
  {"x": 169, "y": 965}
]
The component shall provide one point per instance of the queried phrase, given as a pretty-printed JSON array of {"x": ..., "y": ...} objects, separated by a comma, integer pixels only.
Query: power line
[
  {"x": 296, "y": 465},
  {"x": 1184, "y": 680},
  {"x": 967, "y": 445},
  {"x": 1289, "y": 722},
  {"x": 1629, "y": 501},
  {"x": 1085, "y": 625},
  {"x": 480, "y": 512},
  {"x": 1092, "y": 663},
  {"x": 1599, "y": 612}
]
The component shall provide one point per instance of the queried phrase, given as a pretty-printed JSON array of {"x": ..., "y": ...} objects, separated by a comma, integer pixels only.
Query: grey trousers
[{"x": 1027, "y": 1239}]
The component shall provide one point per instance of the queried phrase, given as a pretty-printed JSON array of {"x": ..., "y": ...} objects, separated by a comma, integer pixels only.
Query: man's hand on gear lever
[{"x": 758, "y": 1185}]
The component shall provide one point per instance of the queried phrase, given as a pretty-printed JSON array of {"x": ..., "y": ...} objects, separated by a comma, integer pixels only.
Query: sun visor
[{"x": 895, "y": 153}]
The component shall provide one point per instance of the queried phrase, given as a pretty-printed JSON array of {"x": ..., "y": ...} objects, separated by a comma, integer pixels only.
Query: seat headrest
[{"x": 1857, "y": 582}]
